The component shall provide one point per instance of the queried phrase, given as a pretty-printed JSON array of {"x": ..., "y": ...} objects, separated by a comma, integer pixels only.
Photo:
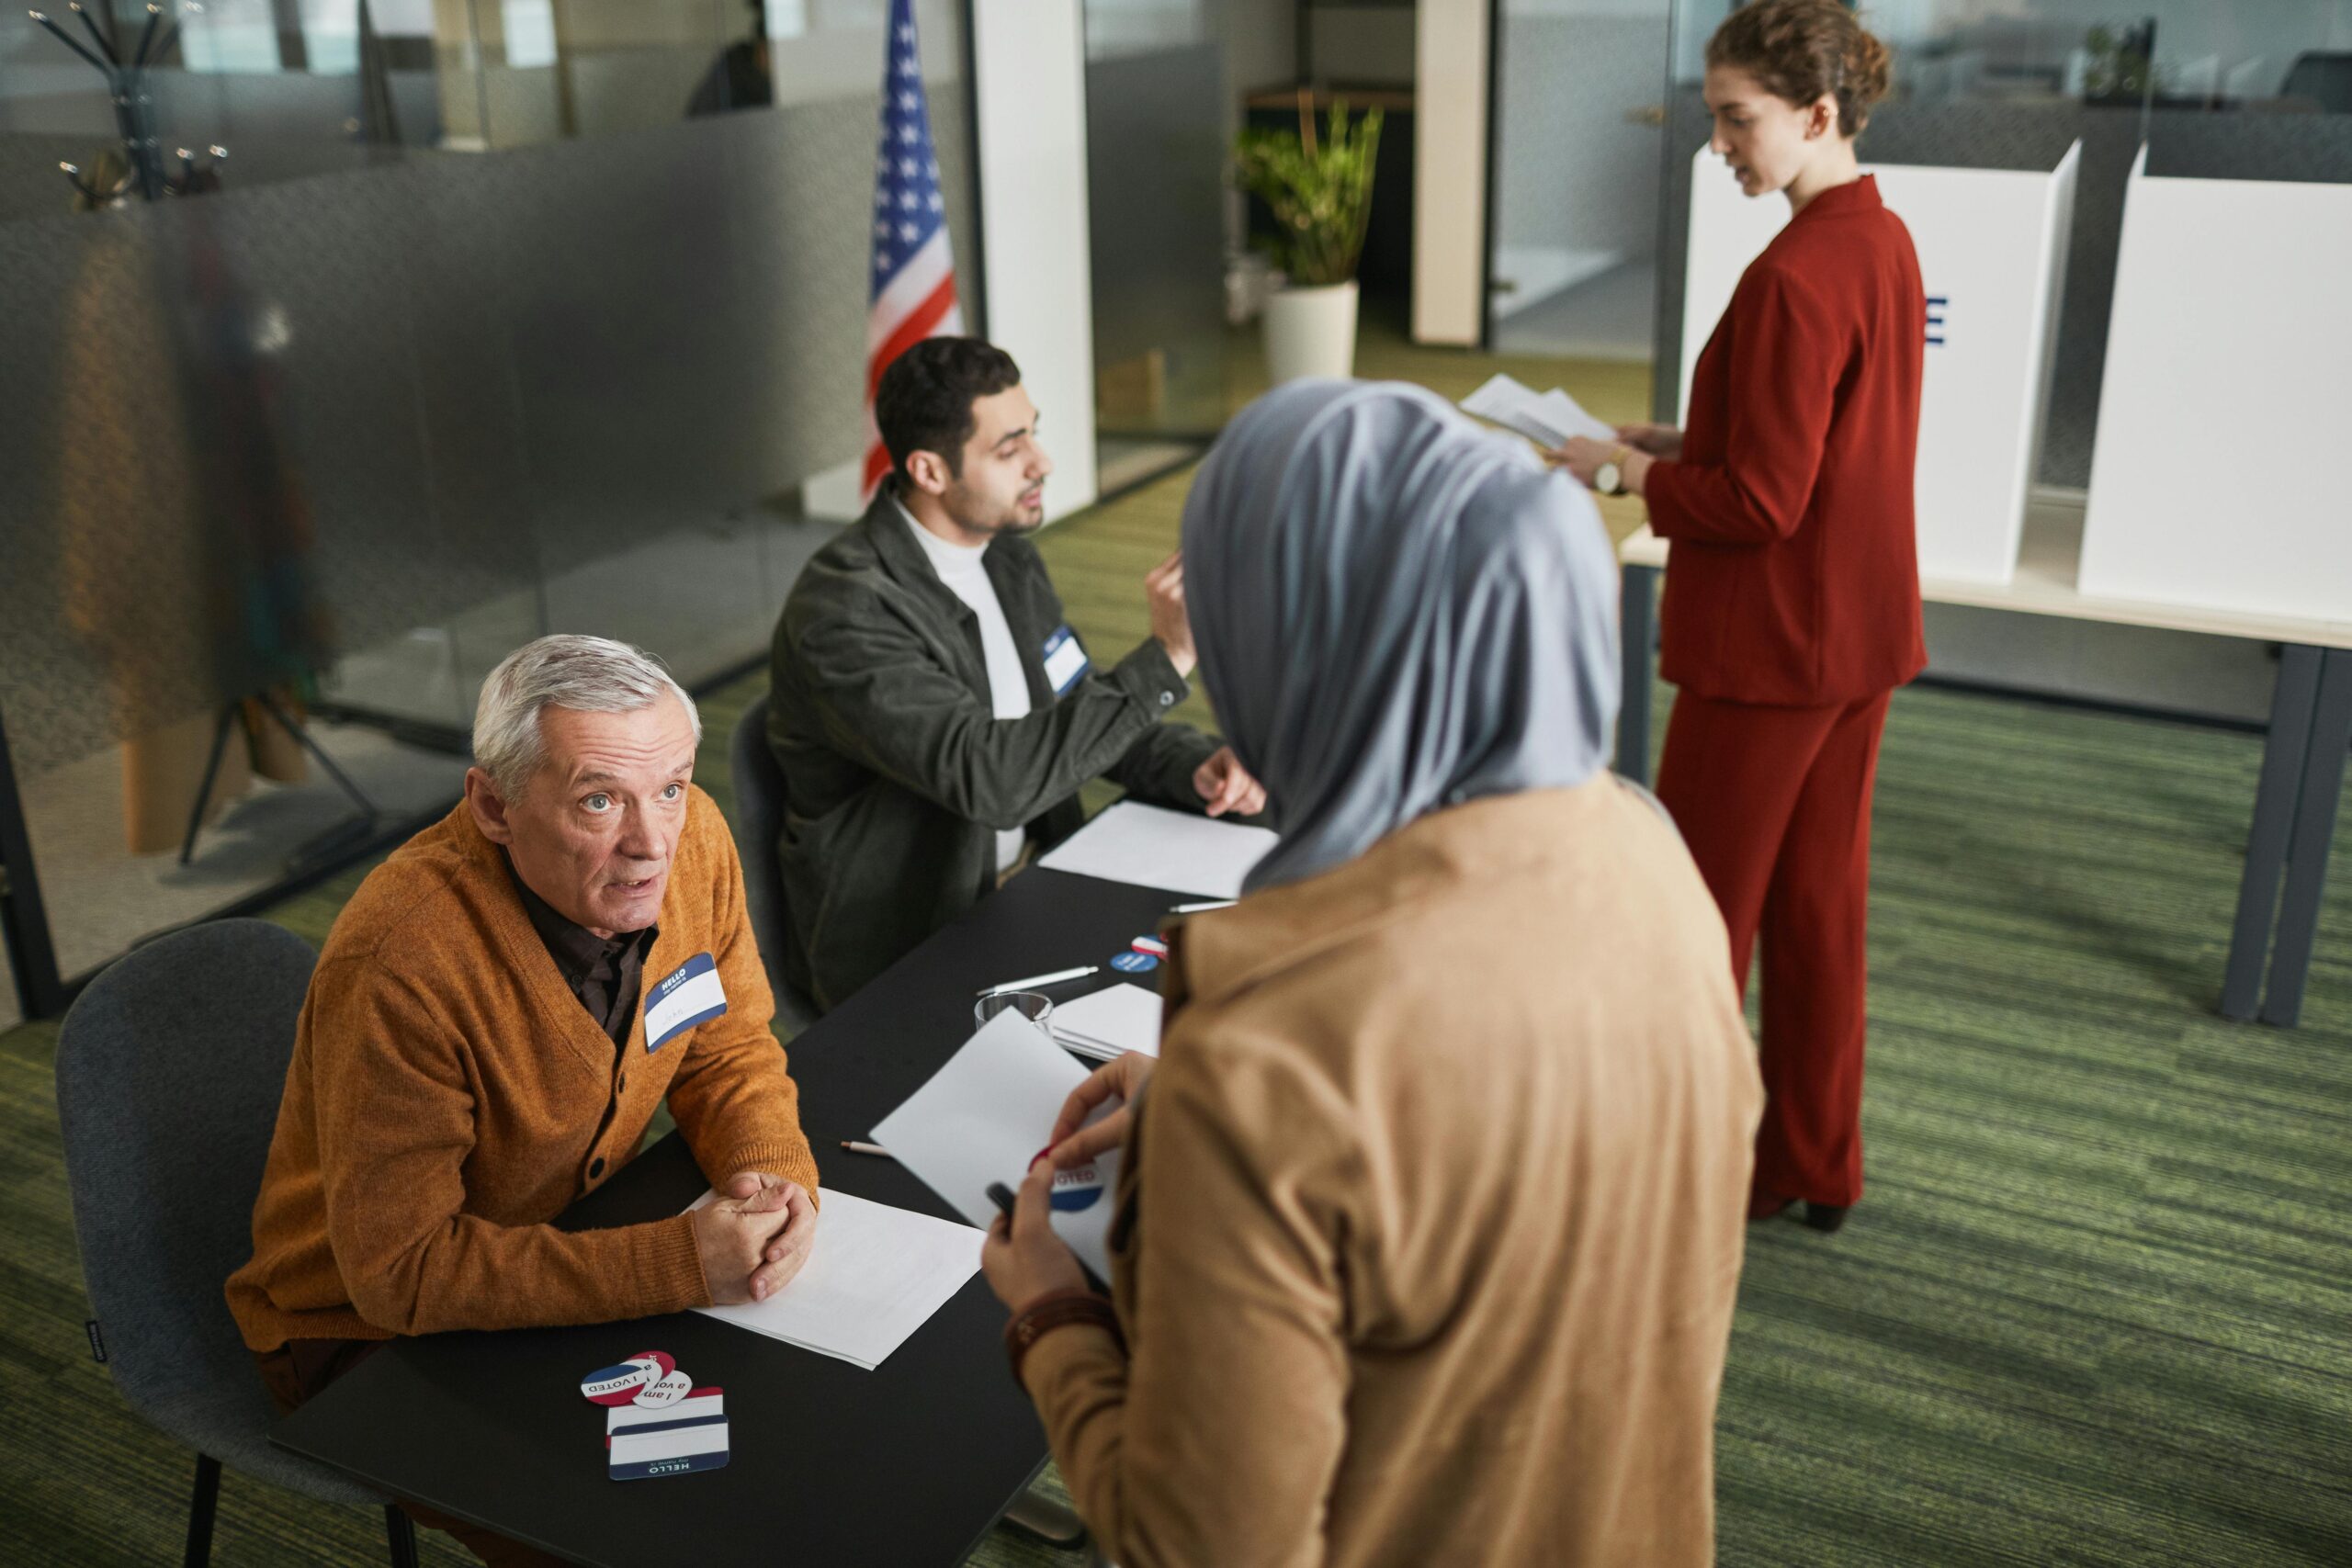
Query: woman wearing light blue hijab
[{"x": 1430, "y": 1226}]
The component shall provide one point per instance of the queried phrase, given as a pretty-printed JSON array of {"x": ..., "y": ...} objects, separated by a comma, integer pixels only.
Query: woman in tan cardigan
[{"x": 1430, "y": 1223}]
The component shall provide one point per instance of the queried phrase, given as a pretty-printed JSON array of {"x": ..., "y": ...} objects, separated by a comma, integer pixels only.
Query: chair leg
[
  {"x": 200, "y": 1509},
  {"x": 401, "y": 1531}
]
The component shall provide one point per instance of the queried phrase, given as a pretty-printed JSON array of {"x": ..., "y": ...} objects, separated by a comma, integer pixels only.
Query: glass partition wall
[
  {"x": 460, "y": 322},
  {"x": 1156, "y": 125},
  {"x": 1576, "y": 135}
]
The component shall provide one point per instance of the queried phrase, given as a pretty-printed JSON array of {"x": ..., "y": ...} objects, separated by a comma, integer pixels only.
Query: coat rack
[{"x": 135, "y": 107}]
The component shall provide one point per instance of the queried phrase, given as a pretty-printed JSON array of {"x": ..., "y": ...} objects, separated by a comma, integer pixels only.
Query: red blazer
[{"x": 1794, "y": 577}]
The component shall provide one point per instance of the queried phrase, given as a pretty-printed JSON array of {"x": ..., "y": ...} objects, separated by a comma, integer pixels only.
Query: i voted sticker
[
  {"x": 1076, "y": 1189},
  {"x": 688, "y": 995},
  {"x": 669, "y": 1391},
  {"x": 661, "y": 1361},
  {"x": 1150, "y": 945},
  {"x": 1133, "y": 963},
  {"x": 619, "y": 1384},
  {"x": 1066, "y": 661}
]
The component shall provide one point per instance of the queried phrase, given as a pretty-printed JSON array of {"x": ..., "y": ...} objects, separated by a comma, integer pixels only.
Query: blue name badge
[
  {"x": 1066, "y": 662},
  {"x": 691, "y": 994}
]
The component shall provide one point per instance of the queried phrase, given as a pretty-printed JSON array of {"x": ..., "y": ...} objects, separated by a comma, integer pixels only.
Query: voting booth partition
[
  {"x": 2213, "y": 483},
  {"x": 1992, "y": 247}
]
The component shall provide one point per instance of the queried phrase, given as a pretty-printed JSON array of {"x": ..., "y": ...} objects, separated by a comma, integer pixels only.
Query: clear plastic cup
[{"x": 1037, "y": 1008}]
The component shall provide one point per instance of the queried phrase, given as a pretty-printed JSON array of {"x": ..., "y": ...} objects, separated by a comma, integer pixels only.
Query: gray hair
[{"x": 587, "y": 674}]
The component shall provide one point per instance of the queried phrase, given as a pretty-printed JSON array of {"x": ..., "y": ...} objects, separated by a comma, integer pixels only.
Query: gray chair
[
  {"x": 757, "y": 822},
  {"x": 169, "y": 1071}
]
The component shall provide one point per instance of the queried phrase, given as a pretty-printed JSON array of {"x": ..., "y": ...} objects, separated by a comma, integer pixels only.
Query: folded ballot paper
[
  {"x": 1151, "y": 846},
  {"x": 1110, "y": 1023},
  {"x": 985, "y": 1115},
  {"x": 876, "y": 1275},
  {"x": 1547, "y": 419}
]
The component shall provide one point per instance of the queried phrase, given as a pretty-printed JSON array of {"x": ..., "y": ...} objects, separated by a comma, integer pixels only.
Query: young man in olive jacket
[{"x": 932, "y": 713}]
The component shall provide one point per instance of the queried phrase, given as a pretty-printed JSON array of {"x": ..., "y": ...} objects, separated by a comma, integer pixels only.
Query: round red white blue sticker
[
  {"x": 618, "y": 1385},
  {"x": 1080, "y": 1187}
]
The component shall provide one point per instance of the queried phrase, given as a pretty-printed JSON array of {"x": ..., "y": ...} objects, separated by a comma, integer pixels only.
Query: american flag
[{"x": 914, "y": 268}]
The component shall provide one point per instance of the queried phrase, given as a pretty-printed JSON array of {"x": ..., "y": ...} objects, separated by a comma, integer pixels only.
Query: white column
[
  {"x": 1450, "y": 170},
  {"x": 1030, "y": 64}
]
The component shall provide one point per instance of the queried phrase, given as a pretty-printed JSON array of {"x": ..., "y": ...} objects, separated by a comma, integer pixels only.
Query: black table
[{"x": 910, "y": 1464}]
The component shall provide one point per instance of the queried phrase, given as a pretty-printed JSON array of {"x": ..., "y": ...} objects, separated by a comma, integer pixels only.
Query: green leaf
[{"x": 1321, "y": 200}]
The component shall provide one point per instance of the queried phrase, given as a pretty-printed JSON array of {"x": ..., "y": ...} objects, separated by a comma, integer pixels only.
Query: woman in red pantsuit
[{"x": 1791, "y": 604}]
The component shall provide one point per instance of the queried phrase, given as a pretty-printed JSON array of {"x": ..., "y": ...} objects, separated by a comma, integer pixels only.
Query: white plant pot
[{"x": 1311, "y": 332}]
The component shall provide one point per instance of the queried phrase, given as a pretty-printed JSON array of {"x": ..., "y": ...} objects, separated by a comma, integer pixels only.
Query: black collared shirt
[{"x": 606, "y": 975}]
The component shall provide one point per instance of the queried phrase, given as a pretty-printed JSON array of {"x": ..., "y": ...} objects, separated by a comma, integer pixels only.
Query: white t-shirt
[{"x": 959, "y": 566}]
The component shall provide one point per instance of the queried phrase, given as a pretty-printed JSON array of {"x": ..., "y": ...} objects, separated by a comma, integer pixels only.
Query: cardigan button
[
  {"x": 1168, "y": 699},
  {"x": 595, "y": 1168}
]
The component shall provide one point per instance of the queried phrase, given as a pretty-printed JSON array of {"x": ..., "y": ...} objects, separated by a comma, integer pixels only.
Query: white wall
[{"x": 1030, "y": 95}]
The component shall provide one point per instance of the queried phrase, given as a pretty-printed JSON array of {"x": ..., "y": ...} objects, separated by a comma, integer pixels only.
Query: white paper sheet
[
  {"x": 1154, "y": 847},
  {"x": 1547, "y": 419},
  {"x": 985, "y": 1115},
  {"x": 877, "y": 1275},
  {"x": 1110, "y": 1021}
]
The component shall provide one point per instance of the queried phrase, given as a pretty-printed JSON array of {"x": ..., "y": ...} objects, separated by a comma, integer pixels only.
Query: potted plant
[{"x": 1320, "y": 190}]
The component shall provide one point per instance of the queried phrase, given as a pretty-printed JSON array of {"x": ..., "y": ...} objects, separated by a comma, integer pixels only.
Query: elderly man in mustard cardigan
[{"x": 498, "y": 1011}]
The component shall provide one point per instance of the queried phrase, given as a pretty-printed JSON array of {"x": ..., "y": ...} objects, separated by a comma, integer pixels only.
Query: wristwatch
[{"x": 1610, "y": 477}]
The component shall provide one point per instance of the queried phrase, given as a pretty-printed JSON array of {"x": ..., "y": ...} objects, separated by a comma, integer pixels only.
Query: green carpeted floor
[{"x": 2095, "y": 1308}]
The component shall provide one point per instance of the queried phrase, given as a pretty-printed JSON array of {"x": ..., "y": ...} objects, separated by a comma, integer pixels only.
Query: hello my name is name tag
[
  {"x": 1066, "y": 662},
  {"x": 688, "y": 995}
]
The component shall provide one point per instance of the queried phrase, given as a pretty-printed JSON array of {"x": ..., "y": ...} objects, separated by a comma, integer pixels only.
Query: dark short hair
[{"x": 924, "y": 402}]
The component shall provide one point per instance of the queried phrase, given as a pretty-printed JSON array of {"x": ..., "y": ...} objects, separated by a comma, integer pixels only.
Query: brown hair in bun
[{"x": 1801, "y": 48}]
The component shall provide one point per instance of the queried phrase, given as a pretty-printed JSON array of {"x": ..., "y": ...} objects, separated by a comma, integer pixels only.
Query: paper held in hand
[
  {"x": 1151, "y": 846},
  {"x": 1548, "y": 420},
  {"x": 986, "y": 1114}
]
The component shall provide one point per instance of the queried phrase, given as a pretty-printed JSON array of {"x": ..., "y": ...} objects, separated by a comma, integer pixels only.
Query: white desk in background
[{"x": 2302, "y": 757}]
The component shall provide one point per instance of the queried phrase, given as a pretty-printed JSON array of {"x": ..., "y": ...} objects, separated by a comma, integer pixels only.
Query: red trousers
[{"x": 1775, "y": 804}]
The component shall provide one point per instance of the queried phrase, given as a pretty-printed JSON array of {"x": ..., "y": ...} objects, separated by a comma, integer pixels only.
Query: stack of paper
[
  {"x": 1110, "y": 1023},
  {"x": 985, "y": 1115},
  {"x": 876, "y": 1275},
  {"x": 1548, "y": 420},
  {"x": 1153, "y": 847}
]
